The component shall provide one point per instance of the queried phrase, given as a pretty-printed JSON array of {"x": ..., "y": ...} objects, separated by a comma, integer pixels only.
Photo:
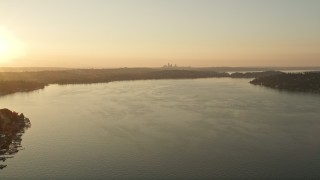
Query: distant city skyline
[{"x": 151, "y": 33}]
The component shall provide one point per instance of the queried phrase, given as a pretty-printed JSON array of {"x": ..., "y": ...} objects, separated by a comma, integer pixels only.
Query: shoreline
[
  {"x": 295, "y": 82},
  {"x": 13, "y": 82}
]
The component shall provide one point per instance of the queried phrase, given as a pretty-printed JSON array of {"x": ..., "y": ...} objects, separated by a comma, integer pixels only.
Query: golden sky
[{"x": 135, "y": 33}]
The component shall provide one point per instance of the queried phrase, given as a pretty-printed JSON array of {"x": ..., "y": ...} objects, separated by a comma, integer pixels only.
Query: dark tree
[{"x": 12, "y": 127}]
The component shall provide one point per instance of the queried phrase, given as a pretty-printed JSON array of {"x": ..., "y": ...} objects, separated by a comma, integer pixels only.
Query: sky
[{"x": 151, "y": 33}]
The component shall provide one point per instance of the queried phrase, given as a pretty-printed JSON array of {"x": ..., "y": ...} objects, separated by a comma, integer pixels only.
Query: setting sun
[{"x": 10, "y": 46}]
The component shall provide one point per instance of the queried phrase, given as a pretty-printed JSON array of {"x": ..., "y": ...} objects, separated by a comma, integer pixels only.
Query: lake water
[{"x": 202, "y": 128}]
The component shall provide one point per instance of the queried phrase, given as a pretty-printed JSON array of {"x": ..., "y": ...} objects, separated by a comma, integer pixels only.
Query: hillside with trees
[{"x": 302, "y": 82}]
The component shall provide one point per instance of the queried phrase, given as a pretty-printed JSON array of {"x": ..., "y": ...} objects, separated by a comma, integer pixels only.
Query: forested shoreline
[
  {"x": 11, "y": 82},
  {"x": 298, "y": 82}
]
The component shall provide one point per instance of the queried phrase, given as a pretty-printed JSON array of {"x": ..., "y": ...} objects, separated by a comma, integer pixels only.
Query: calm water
[{"x": 200, "y": 128}]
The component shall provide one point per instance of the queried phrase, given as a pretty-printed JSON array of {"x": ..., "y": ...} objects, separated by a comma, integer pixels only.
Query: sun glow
[
  {"x": 2, "y": 47},
  {"x": 11, "y": 47}
]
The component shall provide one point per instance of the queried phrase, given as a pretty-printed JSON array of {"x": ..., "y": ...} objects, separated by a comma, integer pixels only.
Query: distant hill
[
  {"x": 247, "y": 69},
  {"x": 30, "y": 69},
  {"x": 216, "y": 69}
]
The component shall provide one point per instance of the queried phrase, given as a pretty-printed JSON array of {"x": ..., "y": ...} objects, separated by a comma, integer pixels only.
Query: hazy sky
[{"x": 117, "y": 33}]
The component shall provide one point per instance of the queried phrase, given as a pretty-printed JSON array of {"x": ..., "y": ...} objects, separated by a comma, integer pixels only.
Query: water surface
[{"x": 203, "y": 128}]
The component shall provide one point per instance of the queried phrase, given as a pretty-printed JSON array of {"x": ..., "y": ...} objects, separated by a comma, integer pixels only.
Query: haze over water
[{"x": 204, "y": 128}]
